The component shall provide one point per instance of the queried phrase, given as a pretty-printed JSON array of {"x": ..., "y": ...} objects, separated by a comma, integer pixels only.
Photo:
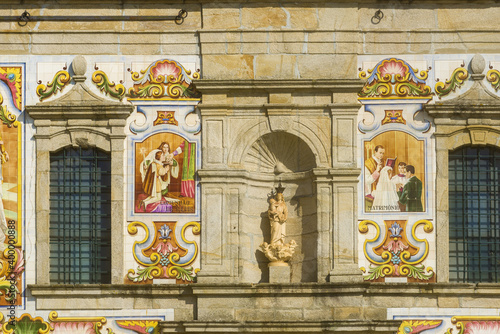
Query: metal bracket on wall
[{"x": 26, "y": 17}]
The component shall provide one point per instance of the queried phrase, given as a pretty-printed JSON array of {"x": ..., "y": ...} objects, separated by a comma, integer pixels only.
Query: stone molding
[
  {"x": 220, "y": 302},
  {"x": 212, "y": 86},
  {"x": 262, "y": 289},
  {"x": 79, "y": 118},
  {"x": 305, "y": 327}
]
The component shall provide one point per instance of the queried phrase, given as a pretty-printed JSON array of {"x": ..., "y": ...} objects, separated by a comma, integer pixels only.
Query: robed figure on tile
[
  {"x": 277, "y": 251},
  {"x": 165, "y": 169},
  {"x": 385, "y": 175}
]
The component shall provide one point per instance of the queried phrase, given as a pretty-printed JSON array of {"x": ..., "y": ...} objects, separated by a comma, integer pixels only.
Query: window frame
[
  {"x": 475, "y": 222},
  {"x": 80, "y": 216},
  {"x": 79, "y": 118},
  {"x": 449, "y": 137}
]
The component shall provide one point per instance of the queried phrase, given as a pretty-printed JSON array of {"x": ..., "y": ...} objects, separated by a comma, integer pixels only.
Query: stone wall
[{"x": 271, "y": 93}]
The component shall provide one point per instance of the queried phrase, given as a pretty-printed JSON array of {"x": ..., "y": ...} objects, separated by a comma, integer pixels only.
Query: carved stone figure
[
  {"x": 277, "y": 251},
  {"x": 277, "y": 213}
]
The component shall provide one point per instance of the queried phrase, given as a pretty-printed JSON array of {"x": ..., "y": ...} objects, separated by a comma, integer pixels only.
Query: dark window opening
[
  {"x": 80, "y": 216},
  {"x": 474, "y": 213}
]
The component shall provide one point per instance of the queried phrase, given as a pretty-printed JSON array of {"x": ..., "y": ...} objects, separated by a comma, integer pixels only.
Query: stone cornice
[
  {"x": 463, "y": 110},
  {"x": 338, "y": 326},
  {"x": 221, "y": 86},
  {"x": 489, "y": 290},
  {"x": 69, "y": 111},
  {"x": 238, "y": 175}
]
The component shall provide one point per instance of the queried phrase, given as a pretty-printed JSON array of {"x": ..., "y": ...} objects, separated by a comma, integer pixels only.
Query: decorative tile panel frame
[
  {"x": 163, "y": 153},
  {"x": 12, "y": 233},
  {"x": 393, "y": 132}
]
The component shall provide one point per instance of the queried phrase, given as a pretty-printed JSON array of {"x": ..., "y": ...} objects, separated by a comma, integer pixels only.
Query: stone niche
[{"x": 274, "y": 157}]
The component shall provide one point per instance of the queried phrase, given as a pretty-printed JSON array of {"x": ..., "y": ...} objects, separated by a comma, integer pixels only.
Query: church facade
[{"x": 217, "y": 167}]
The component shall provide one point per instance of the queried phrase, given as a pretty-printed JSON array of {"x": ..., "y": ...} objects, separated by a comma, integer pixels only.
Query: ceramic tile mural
[
  {"x": 163, "y": 156},
  {"x": 396, "y": 213},
  {"x": 26, "y": 324},
  {"x": 397, "y": 178},
  {"x": 11, "y": 218},
  {"x": 165, "y": 185}
]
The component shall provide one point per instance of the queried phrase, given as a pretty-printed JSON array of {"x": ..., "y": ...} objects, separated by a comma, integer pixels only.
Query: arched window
[
  {"x": 474, "y": 214},
  {"x": 80, "y": 216}
]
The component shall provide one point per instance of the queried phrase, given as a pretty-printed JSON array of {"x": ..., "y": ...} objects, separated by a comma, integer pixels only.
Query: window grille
[
  {"x": 474, "y": 214},
  {"x": 80, "y": 220}
]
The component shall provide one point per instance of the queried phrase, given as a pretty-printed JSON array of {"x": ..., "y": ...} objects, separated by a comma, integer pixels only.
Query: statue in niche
[{"x": 277, "y": 251}]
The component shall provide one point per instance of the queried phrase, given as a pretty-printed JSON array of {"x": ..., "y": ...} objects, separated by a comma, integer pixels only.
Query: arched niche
[{"x": 274, "y": 157}]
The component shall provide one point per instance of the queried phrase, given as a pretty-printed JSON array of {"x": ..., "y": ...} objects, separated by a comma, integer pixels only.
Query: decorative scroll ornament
[
  {"x": 27, "y": 325},
  {"x": 475, "y": 325},
  {"x": 417, "y": 326},
  {"x": 396, "y": 253},
  {"x": 109, "y": 88},
  {"x": 393, "y": 116},
  {"x": 12, "y": 77},
  {"x": 162, "y": 255},
  {"x": 11, "y": 269},
  {"x": 493, "y": 76},
  {"x": 59, "y": 81},
  {"x": 164, "y": 79},
  {"x": 6, "y": 117},
  {"x": 165, "y": 117},
  {"x": 138, "y": 326},
  {"x": 457, "y": 79},
  {"x": 77, "y": 324},
  {"x": 394, "y": 78}
]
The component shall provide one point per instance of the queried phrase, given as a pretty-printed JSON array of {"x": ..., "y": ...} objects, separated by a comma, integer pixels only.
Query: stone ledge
[
  {"x": 198, "y": 289},
  {"x": 213, "y": 86},
  {"x": 352, "y": 327},
  {"x": 272, "y": 302}
]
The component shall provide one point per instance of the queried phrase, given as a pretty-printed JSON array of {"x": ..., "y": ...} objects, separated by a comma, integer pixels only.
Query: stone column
[
  {"x": 345, "y": 232},
  {"x": 117, "y": 202},
  {"x": 345, "y": 195},
  {"x": 442, "y": 210},
  {"x": 220, "y": 224},
  {"x": 42, "y": 212},
  {"x": 324, "y": 222}
]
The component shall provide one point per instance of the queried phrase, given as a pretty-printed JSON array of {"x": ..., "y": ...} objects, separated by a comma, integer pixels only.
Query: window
[
  {"x": 80, "y": 216},
  {"x": 474, "y": 214}
]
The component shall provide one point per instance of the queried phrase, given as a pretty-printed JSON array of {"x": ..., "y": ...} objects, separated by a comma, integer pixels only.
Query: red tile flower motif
[
  {"x": 165, "y": 69},
  {"x": 482, "y": 327},
  {"x": 392, "y": 67}
]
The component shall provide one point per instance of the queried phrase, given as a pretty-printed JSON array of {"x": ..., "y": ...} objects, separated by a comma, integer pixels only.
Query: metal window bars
[
  {"x": 474, "y": 214},
  {"x": 80, "y": 216}
]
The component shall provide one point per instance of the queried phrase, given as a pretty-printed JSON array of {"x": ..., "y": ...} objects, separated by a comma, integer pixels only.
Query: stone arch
[
  {"x": 279, "y": 152},
  {"x": 478, "y": 135},
  {"x": 246, "y": 139},
  {"x": 83, "y": 137}
]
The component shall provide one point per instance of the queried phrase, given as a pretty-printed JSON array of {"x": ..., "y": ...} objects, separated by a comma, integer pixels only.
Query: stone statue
[
  {"x": 277, "y": 251},
  {"x": 277, "y": 213}
]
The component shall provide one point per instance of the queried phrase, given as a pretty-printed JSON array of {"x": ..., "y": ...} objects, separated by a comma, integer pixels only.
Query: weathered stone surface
[
  {"x": 326, "y": 66},
  {"x": 228, "y": 67},
  {"x": 221, "y": 15},
  {"x": 335, "y": 16},
  {"x": 302, "y": 17},
  {"x": 279, "y": 274},
  {"x": 274, "y": 67},
  {"x": 263, "y": 17}
]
